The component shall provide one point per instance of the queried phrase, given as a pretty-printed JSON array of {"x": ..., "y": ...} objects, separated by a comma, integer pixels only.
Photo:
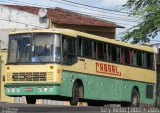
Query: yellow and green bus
[{"x": 68, "y": 65}]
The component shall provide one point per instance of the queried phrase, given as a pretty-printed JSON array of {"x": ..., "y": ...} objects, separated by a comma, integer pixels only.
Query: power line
[
  {"x": 88, "y": 8},
  {"x": 66, "y": 4},
  {"x": 15, "y": 2},
  {"x": 117, "y": 12},
  {"x": 94, "y": 7},
  {"x": 50, "y": 7},
  {"x": 110, "y": 17},
  {"x": 99, "y": 16}
]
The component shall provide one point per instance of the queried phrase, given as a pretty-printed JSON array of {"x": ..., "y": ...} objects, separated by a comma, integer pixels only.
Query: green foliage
[{"x": 148, "y": 28}]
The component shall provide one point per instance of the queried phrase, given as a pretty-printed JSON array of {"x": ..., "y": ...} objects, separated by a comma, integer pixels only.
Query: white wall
[
  {"x": 18, "y": 20},
  {"x": 23, "y": 19},
  {"x": 4, "y": 38}
]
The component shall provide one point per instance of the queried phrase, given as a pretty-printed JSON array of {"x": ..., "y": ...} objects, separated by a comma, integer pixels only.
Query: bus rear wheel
[
  {"x": 30, "y": 100},
  {"x": 135, "y": 98},
  {"x": 75, "y": 94}
]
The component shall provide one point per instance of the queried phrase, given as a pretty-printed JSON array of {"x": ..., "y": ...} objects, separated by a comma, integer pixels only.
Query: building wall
[
  {"x": 107, "y": 32},
  {"x": 4, "y": 38},
  {"x": 19, "y": 19},
  {"x": 13, "y": 19},
  {"x": 0, "y": 75}
]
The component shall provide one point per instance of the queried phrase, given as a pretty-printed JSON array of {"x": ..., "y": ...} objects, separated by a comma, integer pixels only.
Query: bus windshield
[{"x": 34, "y": 48}]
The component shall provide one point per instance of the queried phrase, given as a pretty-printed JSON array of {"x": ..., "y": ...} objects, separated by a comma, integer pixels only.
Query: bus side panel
[
  {"x": 104, "y": 88},
  {"x": 95, "y": 87},
  {"x": 141, "y": 86},
  {"x": 66, "y": 84}
]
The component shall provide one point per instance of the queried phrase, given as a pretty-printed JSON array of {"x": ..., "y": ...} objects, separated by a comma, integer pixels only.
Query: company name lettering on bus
[{"x": 107, "y": 69}]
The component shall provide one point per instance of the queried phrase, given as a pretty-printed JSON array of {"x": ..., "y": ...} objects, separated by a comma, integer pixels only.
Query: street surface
[{"x": 24, "y": 108}]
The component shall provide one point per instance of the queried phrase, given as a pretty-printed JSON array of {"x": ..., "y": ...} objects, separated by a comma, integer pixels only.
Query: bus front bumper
[{"x": 27, "y": 89}]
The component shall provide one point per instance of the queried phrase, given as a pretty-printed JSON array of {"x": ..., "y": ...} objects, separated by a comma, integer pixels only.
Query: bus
[{"x": 68, "y": 65}]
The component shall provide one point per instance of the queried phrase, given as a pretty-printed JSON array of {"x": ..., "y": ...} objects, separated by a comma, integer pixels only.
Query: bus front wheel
[
  {"x": 75, "y": 94},
  {"x": 30, "y": 100},
  {"x": 135, "y": 98}
]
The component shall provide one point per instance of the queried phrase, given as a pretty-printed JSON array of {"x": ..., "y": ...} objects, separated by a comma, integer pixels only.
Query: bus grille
[{"x": 29, "y": 76}]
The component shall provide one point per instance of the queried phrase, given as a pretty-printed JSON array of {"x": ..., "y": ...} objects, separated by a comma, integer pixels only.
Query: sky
[{"x": 119, "y": 18}]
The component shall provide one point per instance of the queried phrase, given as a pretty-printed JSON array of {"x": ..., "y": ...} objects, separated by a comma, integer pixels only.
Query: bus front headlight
[
  {"x": 7, "y": 90},
  {"x": 13, "y": 90},
  {"x": 17, "y": 90},
  {"x": 45, "y": 89},
  {"x": 39, "y": 89}
]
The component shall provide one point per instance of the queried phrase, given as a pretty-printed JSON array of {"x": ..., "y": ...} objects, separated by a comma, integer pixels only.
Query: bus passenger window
[
  {"x": 85, "y": 46},
  {"x": 109, "y": 52},
  {"x": 126, "y": 56},
  {"x": 113, "y": 53},
  {"x": 69, "y": 50},
  {"x": 152, "y": 62},
  {"x": 139, "y": 58},
  {"x": 118, "y": 54},
  {"x": 99, "y": 51},
  {"x": 106, "y": 52},
  {"x": 149, "y": 60},
  {"x": 134, "y": 57},
  {"x": 131, "y": 56},
  {"x": 143, "y": 60},
  {"x": 94, "y": 49}
]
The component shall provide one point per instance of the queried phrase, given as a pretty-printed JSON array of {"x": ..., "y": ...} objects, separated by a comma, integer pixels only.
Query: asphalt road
[{"x": 25, "y": 108}]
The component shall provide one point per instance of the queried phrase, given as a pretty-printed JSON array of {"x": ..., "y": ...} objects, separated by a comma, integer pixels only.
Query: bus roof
[{"x": 74, "y": 33}]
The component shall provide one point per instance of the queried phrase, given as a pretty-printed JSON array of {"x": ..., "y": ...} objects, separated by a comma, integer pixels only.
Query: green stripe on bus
[{"x": 104, "y": 88}]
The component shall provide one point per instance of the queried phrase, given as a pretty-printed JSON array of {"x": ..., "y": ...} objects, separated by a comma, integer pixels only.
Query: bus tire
[
  {"x": 30, "y": 100},
  {"x": 135, "y": 98},
  {"x": 75, "y": 94}
]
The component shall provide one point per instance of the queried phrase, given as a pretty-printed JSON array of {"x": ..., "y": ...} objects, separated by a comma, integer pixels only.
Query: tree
[{"x": 149, "y": 10}]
